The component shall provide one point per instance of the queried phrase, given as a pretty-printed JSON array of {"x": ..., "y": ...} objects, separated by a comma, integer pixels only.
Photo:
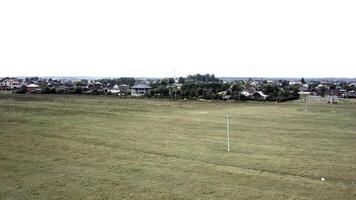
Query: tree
[
  {"x": 203, "y": 78},
  {"x": 164, "y": 82},
  {"x": 79, "y": 83},
  {"x": 236, "y": 88},
  {"x": 322, "y": 91},
  {"x": 48, "y": 90},
  {"x": 84, "y": 81},
  {"x": 285, "y": 83},
  {"x": 21, "y": 90},
  {"x": 303, "y": 81},
  {"x": 126, "y": 80},
  {"x": 270, "y": 90},
  {"x": 181, "y": 80},
  {"x": 170, "y": 81}
]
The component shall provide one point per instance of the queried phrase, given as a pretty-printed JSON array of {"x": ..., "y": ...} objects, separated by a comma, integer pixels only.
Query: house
[
  {"x": 304, "y": 88},
  {"x": 114, "y": 90},
  {"x": 254, "y": 83},
  {"x": 304, "y": 94},
  {"x": 140, "y": 89},
  {"x": 95, "y": 88},
  {"x": 33, "y": 88},
  {"x": 245, "y": 93},
  {"x": 124, "y": 89},
  {"x": 259, "y": 95},
  {"x": 10, "y": 84},
  {"x": 119, "y": 90}
]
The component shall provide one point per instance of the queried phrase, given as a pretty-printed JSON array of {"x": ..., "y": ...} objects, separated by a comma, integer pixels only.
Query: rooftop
[{"x": 141, "y": 86}]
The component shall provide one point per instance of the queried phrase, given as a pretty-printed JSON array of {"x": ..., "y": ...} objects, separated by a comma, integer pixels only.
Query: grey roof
[{"x": 140, "y": 86}]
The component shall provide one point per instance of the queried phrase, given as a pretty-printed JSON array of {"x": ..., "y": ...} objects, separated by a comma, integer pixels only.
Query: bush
[
  {"x": 21, "y": 90},
  {"x": 239, "y": 97},
  {"x": 49, "y": 90}
]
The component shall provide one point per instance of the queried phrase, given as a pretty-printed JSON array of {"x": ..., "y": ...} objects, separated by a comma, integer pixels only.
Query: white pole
[
  {"x": 228, "y": 132},
  {"x": 306, "y": 103}
]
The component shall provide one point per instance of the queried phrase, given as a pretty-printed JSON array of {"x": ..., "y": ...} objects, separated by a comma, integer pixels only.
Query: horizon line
[{"x": 91, "y": 76}]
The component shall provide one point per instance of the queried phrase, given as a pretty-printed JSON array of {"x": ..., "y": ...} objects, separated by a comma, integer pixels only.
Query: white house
[
  {"x": 114, "y": 90},
  {"x": 245, "y": 93},
  {"x": 10, "y": 84},
  {"x": 140, "y": 89}
]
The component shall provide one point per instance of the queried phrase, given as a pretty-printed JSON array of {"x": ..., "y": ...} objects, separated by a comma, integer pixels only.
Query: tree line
[
  {"x": 197, "y": 86},
  {"x": 211, "y": 88}
]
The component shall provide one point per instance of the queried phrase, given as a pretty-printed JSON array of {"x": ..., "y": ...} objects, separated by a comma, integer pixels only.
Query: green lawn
[{"x": 97, "y": 147}]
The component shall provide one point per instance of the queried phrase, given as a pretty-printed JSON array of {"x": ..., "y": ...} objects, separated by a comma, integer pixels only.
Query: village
[{"x": 199, "y": 87}]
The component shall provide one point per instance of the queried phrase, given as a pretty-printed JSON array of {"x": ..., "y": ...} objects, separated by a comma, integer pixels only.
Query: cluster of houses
[
  {"x": 65, "y": 86},
  {"x": 337, "y": 89},
  {"x": 334, "y": 89}
]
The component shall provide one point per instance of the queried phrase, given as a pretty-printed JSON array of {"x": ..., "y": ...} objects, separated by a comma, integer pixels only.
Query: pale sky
[{"x": 160, "y": 38}]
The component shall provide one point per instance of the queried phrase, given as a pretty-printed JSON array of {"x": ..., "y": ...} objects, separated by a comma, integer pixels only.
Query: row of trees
[
  {"x": 209, "y": 87},
  {"x": 280, "y": 93},
  {"x": 116, "y": 81}
]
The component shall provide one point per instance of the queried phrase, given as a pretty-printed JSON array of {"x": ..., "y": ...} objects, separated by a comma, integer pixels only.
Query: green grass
[
  {"x": 5, "y": 92},
  {"x": 96, "y": 147}
]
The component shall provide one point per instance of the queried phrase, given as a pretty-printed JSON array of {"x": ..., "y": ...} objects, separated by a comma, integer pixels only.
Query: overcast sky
[{"x": 158, "y": 38}]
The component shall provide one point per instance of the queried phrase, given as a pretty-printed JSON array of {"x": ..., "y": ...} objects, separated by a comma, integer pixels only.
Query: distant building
[
  {"x": 10, "y": 84},
  {"x": 114, "y": 90},
  {"x": 33, "y": 88},
  {"x": 140, "y": 89},
  {"x": 245, "y": 93},
  {"x": 259, "y": 95},
  {"x": 124, "y": 89},
  {"x": 95, "y": 88},
  {"x": 304, "y": 88}
]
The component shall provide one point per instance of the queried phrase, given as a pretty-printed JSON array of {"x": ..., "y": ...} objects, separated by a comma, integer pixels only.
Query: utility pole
[
  {"x": 346, "y": 92},
  {"x": 306, "y": 103},
  {"x": 228, "y": 132}
]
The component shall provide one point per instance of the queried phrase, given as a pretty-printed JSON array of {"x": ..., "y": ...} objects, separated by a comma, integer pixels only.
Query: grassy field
[{"x": 97, "y": 147}]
